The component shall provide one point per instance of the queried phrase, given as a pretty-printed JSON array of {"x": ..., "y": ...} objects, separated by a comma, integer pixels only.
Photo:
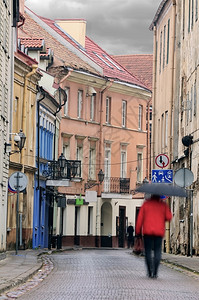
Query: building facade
[
  {"x": 26, "y": 79},
  {"x": 103, "y": 126},
  {"x": 175, "y": 107},
  {"x": 7, "y": 20}
]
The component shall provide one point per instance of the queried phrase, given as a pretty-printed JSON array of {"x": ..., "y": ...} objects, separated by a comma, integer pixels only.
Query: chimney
[{"x": 76, "y": 28}]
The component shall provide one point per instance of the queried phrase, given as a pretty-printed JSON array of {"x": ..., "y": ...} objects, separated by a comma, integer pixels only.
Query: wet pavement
[{"x": 29, "y": 268}]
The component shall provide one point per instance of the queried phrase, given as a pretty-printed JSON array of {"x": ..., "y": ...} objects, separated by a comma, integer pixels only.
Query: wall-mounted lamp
[
  {"x": 89, "y": 185},
  {"x": 19, "y": 139},
  {"x": 91, "y": 91}
]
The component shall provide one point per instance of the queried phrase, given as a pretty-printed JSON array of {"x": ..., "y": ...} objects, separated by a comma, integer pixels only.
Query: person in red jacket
[{"x": 151, "y": 224}]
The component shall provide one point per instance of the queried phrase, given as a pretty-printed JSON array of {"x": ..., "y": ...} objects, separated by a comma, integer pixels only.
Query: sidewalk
[
  {"x": 186, "y": 262},
  {"x": 17, "y": 269}
]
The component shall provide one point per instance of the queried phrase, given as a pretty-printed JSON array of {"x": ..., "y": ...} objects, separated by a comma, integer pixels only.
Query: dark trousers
[
  {"x": 130, "y": 242},
  {"x": 152, "y": 243}
]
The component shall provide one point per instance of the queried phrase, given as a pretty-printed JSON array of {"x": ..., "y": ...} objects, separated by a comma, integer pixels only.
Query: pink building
[{"x": 103, "y": 125}]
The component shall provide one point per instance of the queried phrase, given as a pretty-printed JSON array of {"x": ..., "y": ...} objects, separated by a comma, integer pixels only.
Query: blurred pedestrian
[
  {"x": 130, "y": 231},
  {"x": 151, "y": 224}
]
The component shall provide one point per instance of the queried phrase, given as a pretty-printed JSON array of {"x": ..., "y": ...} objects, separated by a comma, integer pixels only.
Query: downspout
[
  {"x": 101, "y": 124},
  {"x": 172, "y": 83},
  {"x": 55, "y": 122},
  {"x": 34, "y": 70},
  {"x": 154, "y": 94},
  {"x": 171, "y": 114},
  {"x": 100, "y": 155},
  {"x": 148, "y": 148},
  {"x": 38, "y": 138}
]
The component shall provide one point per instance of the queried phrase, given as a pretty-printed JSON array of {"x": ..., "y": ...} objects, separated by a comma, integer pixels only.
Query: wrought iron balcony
[
  {"x": 116, "y": 185},
  {"x": 63, "y": 169}
]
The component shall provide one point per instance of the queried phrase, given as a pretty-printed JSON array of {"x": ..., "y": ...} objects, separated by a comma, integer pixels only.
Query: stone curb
[
  {"x": 21, "y": 279},
  {"x": 179, "y": 266}
]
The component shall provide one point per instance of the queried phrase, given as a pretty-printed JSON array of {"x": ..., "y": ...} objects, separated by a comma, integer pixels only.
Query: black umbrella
[{"x": 166, "y": 189}]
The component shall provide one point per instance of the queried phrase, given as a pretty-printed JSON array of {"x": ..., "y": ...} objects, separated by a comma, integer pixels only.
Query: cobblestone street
[{"x": 110, "y": 274}]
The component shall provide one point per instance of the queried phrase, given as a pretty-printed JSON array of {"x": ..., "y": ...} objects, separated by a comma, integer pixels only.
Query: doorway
[
  {"x": 122, "y": 226},
  {"x": 77, "y": 226},
  {"x": 106, "y": 225}
]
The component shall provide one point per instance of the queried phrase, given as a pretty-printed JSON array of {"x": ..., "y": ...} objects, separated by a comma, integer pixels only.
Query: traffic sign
[
  {"x": 183, "y": 177},
  {"x": 22, "y": 181},
  {"x": 163, "y": 176},
  {"x": 162, "y": 160}
]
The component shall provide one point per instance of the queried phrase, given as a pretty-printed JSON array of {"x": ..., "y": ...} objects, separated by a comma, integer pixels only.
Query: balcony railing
[{"x": 116, "y": 185}]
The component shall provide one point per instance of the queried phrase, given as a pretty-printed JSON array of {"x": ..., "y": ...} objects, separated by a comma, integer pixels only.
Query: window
[
  {"x": 187, "y": 111},
  {"x": 160, "y": 51},
  {"x": 162, "y": 131},
  {"x": 183, "y": 19},
  {"x": 196, "y": 11},
  {"x": 92, "y": 162},
  {"x": 195, "y": 100},
  {"x": 79, "y": 104},
  {"x": 164, "y": 40},
  {"x": 191, "y": 103},
  {"x": 140, "y": 117},
  {"x": 92, "y": 108},
  {"x": 123, "y": 164},
  {"x": 79, "y": 155},
  {"x": 192, "y": 13},
  {"x": 168, "y": 37},
  {"x": 107, "y": 161},
  {"x": 67, "y": 102},
  {"x": 124, "y": 106},
  {"x": 139, "y": 167},
  {"x": 189, "y": 19},
  {"x": 108, "y": 110},
  {"x": 159, "y": 144},
  {"x": 166, "y": 128},
  {"x": 66, "y": 150}
]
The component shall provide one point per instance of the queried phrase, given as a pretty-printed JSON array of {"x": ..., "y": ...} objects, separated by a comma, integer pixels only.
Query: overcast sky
[{"x": 119, "y": 27}]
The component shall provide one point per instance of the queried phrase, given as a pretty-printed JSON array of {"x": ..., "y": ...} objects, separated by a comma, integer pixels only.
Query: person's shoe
[
  {"x": 150, "y": 275},
  {"x": 155, "y": 276}
]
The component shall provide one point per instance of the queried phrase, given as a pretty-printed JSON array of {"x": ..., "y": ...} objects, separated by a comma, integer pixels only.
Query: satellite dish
[{"x": 183, "y": 177}]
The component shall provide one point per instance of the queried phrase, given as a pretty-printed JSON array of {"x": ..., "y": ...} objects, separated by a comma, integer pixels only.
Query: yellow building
[{"x": 24, "y": 105}]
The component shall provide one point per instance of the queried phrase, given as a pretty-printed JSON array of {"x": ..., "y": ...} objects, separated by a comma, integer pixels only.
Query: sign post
[{"x": 18, "y": 182}]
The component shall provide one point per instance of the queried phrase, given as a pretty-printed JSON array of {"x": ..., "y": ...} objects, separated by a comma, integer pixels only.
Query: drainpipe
[
  {"x": 55, "y": 122},
  {"x": 100, "y": 153},
  {"x": 154, "y": 95},
  {"x": 148, "y": 148},
  {"x": 34, "y": 70},
  {"x": 38, "y": 136},
  {"x": 101, "y": 124},
  {"x": 67, "y": 75},
  {"x": 171, "y": 113}
]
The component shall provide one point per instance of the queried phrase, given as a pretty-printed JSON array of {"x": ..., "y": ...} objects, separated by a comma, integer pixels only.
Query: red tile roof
[
  {"x": 111, "y": 68},
  {"x": 140, "y": 65},
  {"x": 37, "y": 43},
  {"x": 64, "y": 57}
]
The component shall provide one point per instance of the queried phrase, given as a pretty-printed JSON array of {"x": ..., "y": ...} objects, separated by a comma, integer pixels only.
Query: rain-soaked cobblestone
[
  {"x": 15, "y": 293},
  {"x": 105, "y": 274}
]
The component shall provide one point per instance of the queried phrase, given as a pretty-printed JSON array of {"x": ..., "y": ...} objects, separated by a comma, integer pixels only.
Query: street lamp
[
  {"x": 21, "y": 142},
  {"x": 101, "y": 176},
  {"x": 89, "y": 185},
  {"x": 19, "y": 139}
]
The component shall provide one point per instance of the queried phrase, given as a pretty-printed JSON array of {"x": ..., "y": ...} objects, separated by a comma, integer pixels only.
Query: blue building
[{"x": 47, "y": 108}]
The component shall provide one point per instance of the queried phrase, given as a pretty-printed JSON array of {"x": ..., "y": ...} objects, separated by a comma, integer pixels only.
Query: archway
[{"x": 106, "y": 225}]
